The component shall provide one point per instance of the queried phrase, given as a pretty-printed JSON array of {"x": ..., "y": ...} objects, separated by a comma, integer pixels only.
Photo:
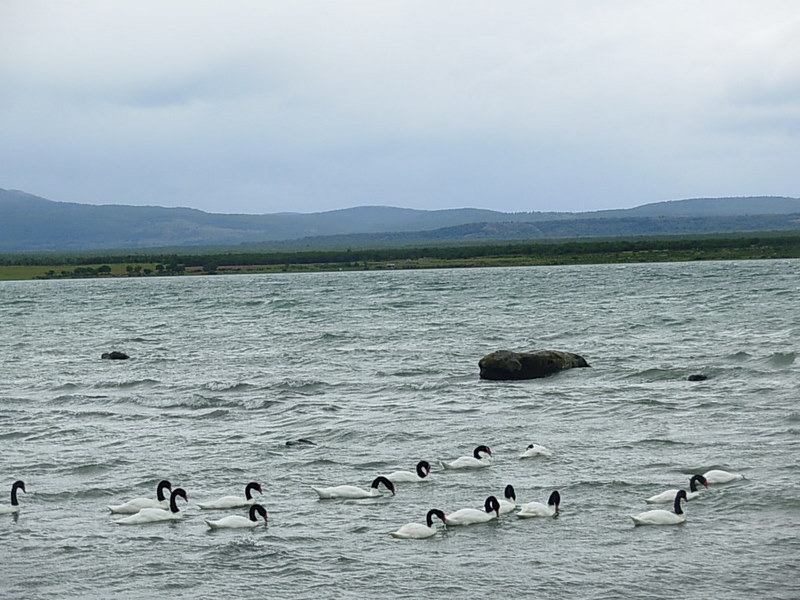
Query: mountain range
[{"x": 30, "y": 223}]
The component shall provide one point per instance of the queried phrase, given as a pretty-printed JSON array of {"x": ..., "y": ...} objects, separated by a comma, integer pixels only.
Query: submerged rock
[
  {"x": 114, "y": 355},
  {"x": 505, "y": 364},
  {"x": 300, "y": 442},
  {"x": 698, "y": 377}
]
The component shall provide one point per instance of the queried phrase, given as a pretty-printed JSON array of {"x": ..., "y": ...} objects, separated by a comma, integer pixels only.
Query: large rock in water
[{"x": 505, "y": 364}]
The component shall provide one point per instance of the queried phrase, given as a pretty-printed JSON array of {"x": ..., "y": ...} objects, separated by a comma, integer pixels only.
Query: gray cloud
[{"x": 251, "y": 106}]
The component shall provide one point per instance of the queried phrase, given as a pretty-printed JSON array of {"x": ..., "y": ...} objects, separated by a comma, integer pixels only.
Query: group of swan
[
  {"x": 148, "y": 510},
  {"x": 677, "y": 516},
  {"x": 492, "y": 509}
]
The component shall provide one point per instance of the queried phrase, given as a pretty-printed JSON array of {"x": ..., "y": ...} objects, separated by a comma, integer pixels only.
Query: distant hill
[{"x": 30, "y": 223}]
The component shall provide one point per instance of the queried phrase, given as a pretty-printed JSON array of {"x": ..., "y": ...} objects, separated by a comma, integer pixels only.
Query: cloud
[{"x": 253, "y": 106}]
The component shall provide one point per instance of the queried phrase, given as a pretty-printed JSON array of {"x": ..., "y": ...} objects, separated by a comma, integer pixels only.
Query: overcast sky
[{"x": 266, "y": 106}]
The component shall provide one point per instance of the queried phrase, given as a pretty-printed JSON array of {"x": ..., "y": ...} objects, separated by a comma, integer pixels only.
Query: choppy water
[{"x": 380, "y": 369}]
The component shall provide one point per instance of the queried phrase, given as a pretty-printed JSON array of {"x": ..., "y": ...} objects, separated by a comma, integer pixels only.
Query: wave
[{"x": 781, "y": 359}]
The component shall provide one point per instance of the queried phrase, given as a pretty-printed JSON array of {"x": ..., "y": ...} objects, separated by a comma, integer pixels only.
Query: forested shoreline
[{"x": 521, "y": 253}]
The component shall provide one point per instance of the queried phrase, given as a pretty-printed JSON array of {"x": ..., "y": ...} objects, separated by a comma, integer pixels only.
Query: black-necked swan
[
  {"x": 239, "y": 522},
  {"x": 470, "y": 516},
  {"x": 352, "y": 491},
  {"x": 423, "y": 470},
  {"x": 539, "y": 509},
  {"x": 14, "y": 507},
  {"x": 661, "y": 516},
  {"x": 475, "y": 461},
  {"x": 669, "y": 495},
  {"x": 234, "y": 501},
  {"x": 719, "y": 476},
  {"x": 418, "y": 531},
  {"x": 154, "y": 515},
  {"x": 509, "y": 503},
  {"x": 133, "y": 506},
  {"x": 535, "y": 450}
]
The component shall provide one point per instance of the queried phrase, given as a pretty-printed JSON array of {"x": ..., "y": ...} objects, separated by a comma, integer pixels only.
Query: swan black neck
[
  {"x": 554, "y": 500},
  {"x": 18, "y": 485},
  {"x": 509, "y": 493},
  {"x": 382, "y": 480},
  {"x": 248, "y": 490},
  {"x": 477, "y": 452},
  {"x": 173, "y": 505},
  {"x": 681, "y": 495},
  {"x": 162, "y": 485},
  {"x": 492, "y": 504},
  {"x": 434, "y": 512},
  {"x": 423, "y": 468},
  {"x": 258, "y": 509},
  {"x": 693, "y": 482}
]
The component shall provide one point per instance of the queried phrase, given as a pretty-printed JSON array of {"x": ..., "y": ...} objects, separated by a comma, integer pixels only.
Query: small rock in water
[
  {"x": 698, "y": 377},
  {"x": 114, "y": 355},
  {"x": 300, "y": 442}
]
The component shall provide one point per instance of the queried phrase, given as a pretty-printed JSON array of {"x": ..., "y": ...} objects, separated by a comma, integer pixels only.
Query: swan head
[
  {"x": 176, "y": 493},
  {"x": 250, "y": 487},
  {"x": 423, "y": 469},
  {"x": 554, "y": 500},
  {"x": 509, "y": 493},
  {"x": 483, "y": 449},
  {"x": 492, "y": 504},
  {"x": 387, "y": 484},
  {"x": 260, "y": 510},
  {"x": 434, "y": 512}
]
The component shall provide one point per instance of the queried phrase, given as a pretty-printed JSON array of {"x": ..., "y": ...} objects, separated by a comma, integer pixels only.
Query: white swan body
[
  {"x": 539, "y": 509},
  {"x": 535, "y": 450},
  {"x": 133, "y": 506},
  {"x": 476, "y": 461},
  {"x": 234, "y": 501},
  {"x": 509, "y": 503},
  {"x": 6, "y": 509},
  {"x": 669, "y": 495},
  {"x": 423, "y": 470},
  {"x": 239, "y": 522},
  {"x": 354, "y": 492},
  {"x": 418, "y": 531},
  {"x": 471, "y": 516},
  {"x": 155, "y": 515},
  {"x": 661, "y": 516},
  {"x": 718, "y": 476}
]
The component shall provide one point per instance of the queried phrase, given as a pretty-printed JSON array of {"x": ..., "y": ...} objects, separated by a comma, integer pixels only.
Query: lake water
[{"x": 380, "y": 370}]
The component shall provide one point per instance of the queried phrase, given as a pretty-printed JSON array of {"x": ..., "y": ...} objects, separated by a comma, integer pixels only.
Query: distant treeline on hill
[{"x": 766, "y": 246}]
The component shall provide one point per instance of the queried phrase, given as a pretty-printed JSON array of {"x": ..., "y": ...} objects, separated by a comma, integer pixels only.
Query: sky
[{"x": 265, "y": 106}]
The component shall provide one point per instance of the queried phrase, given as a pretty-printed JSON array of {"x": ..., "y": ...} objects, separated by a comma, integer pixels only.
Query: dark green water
[{"x": 380, "y": 370}]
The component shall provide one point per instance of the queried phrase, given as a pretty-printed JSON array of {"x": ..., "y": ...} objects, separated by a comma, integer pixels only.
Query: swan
[
  {"x": 718, "y": 476},
  {"x": 423, "y": 470},
  {"x": 234, "y": 501},
  {"x": 469, "y": 516},
  {"x": 538, "y": 509},
  {"x": 351, "y": 491},
  {"x": 509, "y": 503},
  {"x": 470, "y": 462},
  {"x": 661, "y": 516},
  {"x": 418, "y": 531},
  {"x": 239, "y": 522},
  {"x": 154, "y": 515},
  {"x": 14, "y": 507},
  {"x": 535, "y": 450},
  {"x": 669, "y": 495},
  {"x": 133, "y": 506}
]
